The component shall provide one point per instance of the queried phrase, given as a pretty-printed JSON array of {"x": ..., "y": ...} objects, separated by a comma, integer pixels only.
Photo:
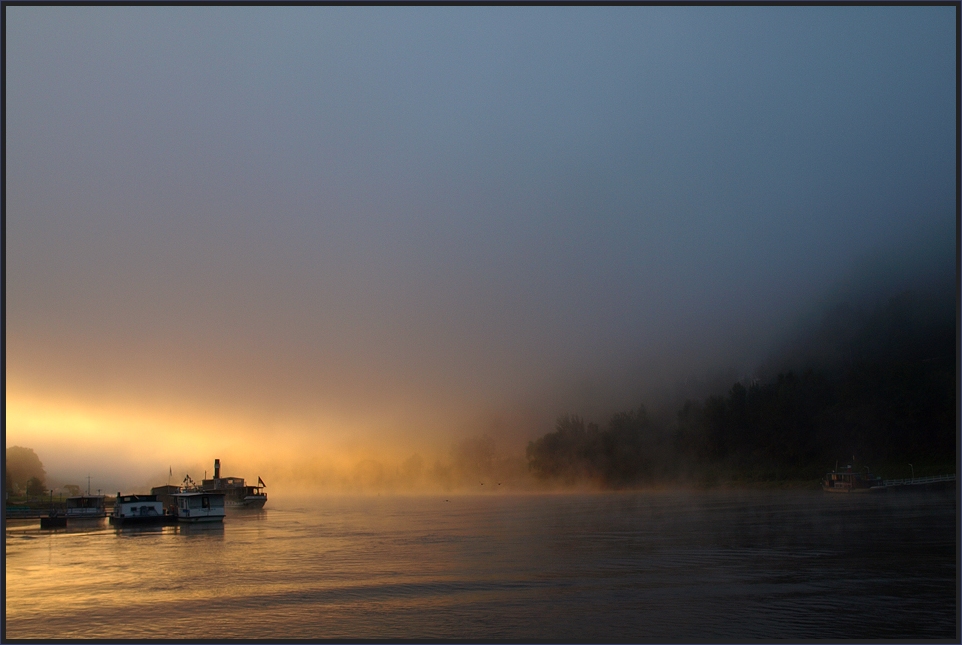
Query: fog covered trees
[
  {"x": 628, "y": 451},
  {"x": 22, "y": 465},
  {"x": 35, "y": 487},
  {"x": 881, "y": 387}
]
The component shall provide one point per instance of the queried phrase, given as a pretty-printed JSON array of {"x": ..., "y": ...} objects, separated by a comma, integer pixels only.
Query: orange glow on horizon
[{"x": 146, "y": 443}]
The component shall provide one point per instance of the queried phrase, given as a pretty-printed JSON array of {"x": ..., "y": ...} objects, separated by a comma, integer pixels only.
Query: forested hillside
[{"x": 878, "y": 386}]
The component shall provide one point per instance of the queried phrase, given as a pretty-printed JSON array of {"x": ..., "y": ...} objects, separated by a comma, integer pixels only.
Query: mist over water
[
  {"x": 373, "y": 233},
  {"x": 368, "y": 254},
  {"x": 562, "y": 567}
]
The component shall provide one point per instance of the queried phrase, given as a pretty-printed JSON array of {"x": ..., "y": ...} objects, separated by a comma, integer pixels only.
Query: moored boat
[
  {"x": 851, "y": 481},
  {"x": 237, "y": 494},
  {"x": 139, "y": 510},
  {"x": 85, "y": 507},
  {"x": 196, "y": 506}
]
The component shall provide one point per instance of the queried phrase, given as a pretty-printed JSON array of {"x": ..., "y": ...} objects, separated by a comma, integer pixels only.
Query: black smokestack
[{"x": 217, "y": 469}]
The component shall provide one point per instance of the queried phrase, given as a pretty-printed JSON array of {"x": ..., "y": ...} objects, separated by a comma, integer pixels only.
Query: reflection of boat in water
[
  {"x": 85, "y": 507},
  {"x": 237, "y": 494},
  {"x": 139, "y": 510},
  {"x": 851, "y": 481}
]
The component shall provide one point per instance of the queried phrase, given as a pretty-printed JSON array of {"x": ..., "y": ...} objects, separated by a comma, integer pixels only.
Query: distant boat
[
  {"x": 85, "y": 507},
  {"x": 850, "y": 481},
  {"x": 139, "y": 510},
  {"x": 237, "y": 494}
]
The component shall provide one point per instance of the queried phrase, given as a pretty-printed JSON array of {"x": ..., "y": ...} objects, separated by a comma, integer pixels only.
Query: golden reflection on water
[{"x": 558, "y": 567}]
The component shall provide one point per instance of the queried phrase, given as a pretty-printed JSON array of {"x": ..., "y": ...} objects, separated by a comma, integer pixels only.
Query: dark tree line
[
  {"x": 630, "y": 450},
  {"x": 881, "y": 389}
]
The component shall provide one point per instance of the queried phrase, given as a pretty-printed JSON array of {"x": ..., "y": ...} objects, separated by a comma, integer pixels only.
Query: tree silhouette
[
  {"x": 35, "y": 487},
  {"x": 22, "y": 464}
]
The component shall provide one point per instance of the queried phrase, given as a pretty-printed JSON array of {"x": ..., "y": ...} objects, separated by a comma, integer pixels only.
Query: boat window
[{"x": 205, "y": 502}]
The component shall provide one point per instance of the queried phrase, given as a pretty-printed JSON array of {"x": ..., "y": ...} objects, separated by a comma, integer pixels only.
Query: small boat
[
  {"x": 85, "y": 507},
  {"x": 237, "y": 494},
  {"x": 139, "y": 510},
  {"x": 851, "y": 481}
]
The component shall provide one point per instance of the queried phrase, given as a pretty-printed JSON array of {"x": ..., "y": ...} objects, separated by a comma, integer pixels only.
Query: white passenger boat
[
  {"x": 138, "y": 510},
  {"x": 196, "y": 506}
]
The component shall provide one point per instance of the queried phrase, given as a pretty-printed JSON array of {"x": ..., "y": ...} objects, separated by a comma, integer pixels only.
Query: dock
[
  {"x": 934, "y": 481},
  {"x": 24, "y": 513}
]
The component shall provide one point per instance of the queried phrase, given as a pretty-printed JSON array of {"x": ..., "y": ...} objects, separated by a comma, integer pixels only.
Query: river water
[{"x": 561, "y": 567}]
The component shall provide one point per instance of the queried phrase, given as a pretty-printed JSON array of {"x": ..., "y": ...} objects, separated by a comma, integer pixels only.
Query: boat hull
[
  {"x": 72, "y": 514},
  {"x": 250, "y": 502},
  {"x": 873, "y": 489},
  {"x": 53, "y": 522},
  {"x": 205, "y": 519},
  {"x": 86, "y": 521}
]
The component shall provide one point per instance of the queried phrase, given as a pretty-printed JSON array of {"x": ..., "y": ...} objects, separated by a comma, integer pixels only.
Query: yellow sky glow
[{"x": 143, "y": 444}]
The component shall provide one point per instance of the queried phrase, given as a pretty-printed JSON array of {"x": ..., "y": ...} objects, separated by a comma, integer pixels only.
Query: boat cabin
[
  {"x": 85, "y": 506},
  {"x": 137, "y": 509},
  {"x": 199, "y": 506}
]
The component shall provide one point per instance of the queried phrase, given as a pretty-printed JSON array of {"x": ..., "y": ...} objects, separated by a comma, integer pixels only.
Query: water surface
[{"x": 593, "y": 567}]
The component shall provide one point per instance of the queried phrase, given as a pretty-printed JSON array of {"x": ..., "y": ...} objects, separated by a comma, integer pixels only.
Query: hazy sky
[{"x": 293, "y": 234}]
